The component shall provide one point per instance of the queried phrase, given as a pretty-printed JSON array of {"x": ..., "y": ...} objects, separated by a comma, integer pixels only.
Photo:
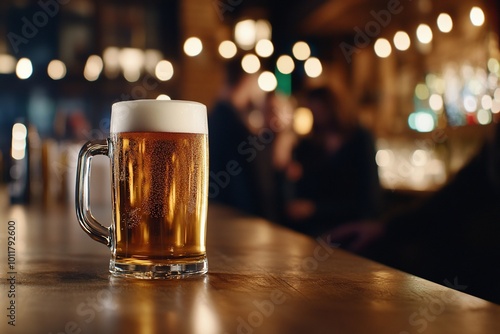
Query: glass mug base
[{"x": 174, "y": 270}]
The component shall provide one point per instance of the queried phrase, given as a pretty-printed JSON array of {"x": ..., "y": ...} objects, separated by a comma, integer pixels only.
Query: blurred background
[{"x": 421, "y": 76}]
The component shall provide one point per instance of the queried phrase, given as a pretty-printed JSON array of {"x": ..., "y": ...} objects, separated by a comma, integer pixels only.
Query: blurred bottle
[{"x": 19, "y": 191}]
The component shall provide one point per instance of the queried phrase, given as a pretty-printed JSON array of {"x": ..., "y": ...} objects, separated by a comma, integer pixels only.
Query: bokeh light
[
  {"x": 436, "y": 102},
  {"x": 419, "y": 158},
  {"x": 424, "y": 33},
  {"x": 262, "y": 30},
  {"x": 250, "y": 63},
  {"x": 56, "y": 69},
  {"x": 193, "y": 46},
  {"x": 163, "y": 97},
  {"x": 495, "y": 106},
  {"x": 421, "y": 121},
  {"x": 7, "y": 64},
  {"x": 227, "y": 49},
  {"x": 301, "y": 50},
  {"x": 267, "y": 81},
  {"x": 24, "y": 68},
  {"x": 401, "y": 41},
  {"x": 476, "y": 16},
  {"x": 264, "y": 48},
  {"x": 470, "y": 103},
  {"x": 111, "y": 65},
  {"x": 483, "y": 117},
  {"x": 151, "y": 58},
  {"x": 303, "y": 121},
  {"x": 444, "y": 23},
  {"x": 422, "y": 92},
  {"x": 313, "y": 67},
  {"x": 486, "y": 102},
  {"x": 384, "y": 158},
  {"x": 19, "y": 131},
  {"x": 93, "y": 68},
  {"x": 164, "y": 70},
  {"x": 285, "y": 64},
  {"x": 18, "y": 146},
  {"x": 131, "y": 61},
  {"x": 493, "y": 65},
  {"x": 382, "y": 48},
  {"x": 244, "y": 34}
]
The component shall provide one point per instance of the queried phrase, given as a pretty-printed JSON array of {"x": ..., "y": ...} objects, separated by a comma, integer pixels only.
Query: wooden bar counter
[{"x": 262, "y": 279}]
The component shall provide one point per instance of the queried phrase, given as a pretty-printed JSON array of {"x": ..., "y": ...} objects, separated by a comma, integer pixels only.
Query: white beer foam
[{"x": 159, "y": 116}]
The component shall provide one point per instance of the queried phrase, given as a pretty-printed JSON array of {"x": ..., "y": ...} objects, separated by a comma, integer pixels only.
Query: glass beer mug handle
[{"x": 87, "y": 221}]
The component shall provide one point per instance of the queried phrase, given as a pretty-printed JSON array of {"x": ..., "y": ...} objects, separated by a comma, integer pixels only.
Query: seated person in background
[
  {"x": 334, "y": 173},
  {"x": 454, "y": 235}
]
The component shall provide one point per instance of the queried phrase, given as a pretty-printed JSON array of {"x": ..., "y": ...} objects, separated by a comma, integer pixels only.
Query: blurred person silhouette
[
  {"x": 453, "y": 234},
  {"x": 278, "y": 139},
  {"x": 233, "y": 147},
  {"x": 334, "y": 171}
]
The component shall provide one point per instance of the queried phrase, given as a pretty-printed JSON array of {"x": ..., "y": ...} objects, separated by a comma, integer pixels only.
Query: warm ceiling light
[
  {"x": 7, "y": 64},
  {"x": 382, "y": 48},
  {"x": 131, "y": 61},
  {"x": 227, "y": 49},
  {"x": 384, "y": 158},
  {"x": 264, "y": 48},
  {"x": 496, "y": 94},
  {"x": 163, "y": 97},
  {"x": 19, "y": 131},
  {"x": 486, "y": 102},
  {"x": 56, "y": 69},
  {"x": 151, "y": 58},
  {"x": 444, "y": 22},
  {"x": 402, "y": 41},
  {"x": 470, "y": 103},
  {"x": 24, "y": 68},
  {"x": 267, "y": 81},
  {"x": 422, "y": 92},
  {"x": 131, "y": 75},
  {"x": 164, "y": 70},
  {"x": 93, "y": 68},
  {"x": 250, "y": 63},
  {"x": 111, "y": 64},
  {"x": 19, "y": 135},
  {"x": 476, "y": 16},
  {"x": 131, "y": 58},
  {"x": 493, "y": 65},
  {"x": 495, "y": 106},
  {"x": 303, "y": 121},
  {"x": 313, "y": 67},
  {"x": 193, "y": 46},
  {"x": 301, "y": 50},
  {"x": 285, "y": 64},
  {"x": 484, "y": 117},
  {"x": 436, "y": 102},
  {"x": 262, "y": 30},
  {"x": 424, "y": 34},
  {"x": 244, "y": 34}
]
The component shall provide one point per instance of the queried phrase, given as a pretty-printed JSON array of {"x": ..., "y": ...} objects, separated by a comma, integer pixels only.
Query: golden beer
[
  {"x": 159, "y": 197},
  {"x": 159, "y": 171}
]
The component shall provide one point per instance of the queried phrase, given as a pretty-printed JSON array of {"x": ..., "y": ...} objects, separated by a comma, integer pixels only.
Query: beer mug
[{"x": 159, "y": 171}]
